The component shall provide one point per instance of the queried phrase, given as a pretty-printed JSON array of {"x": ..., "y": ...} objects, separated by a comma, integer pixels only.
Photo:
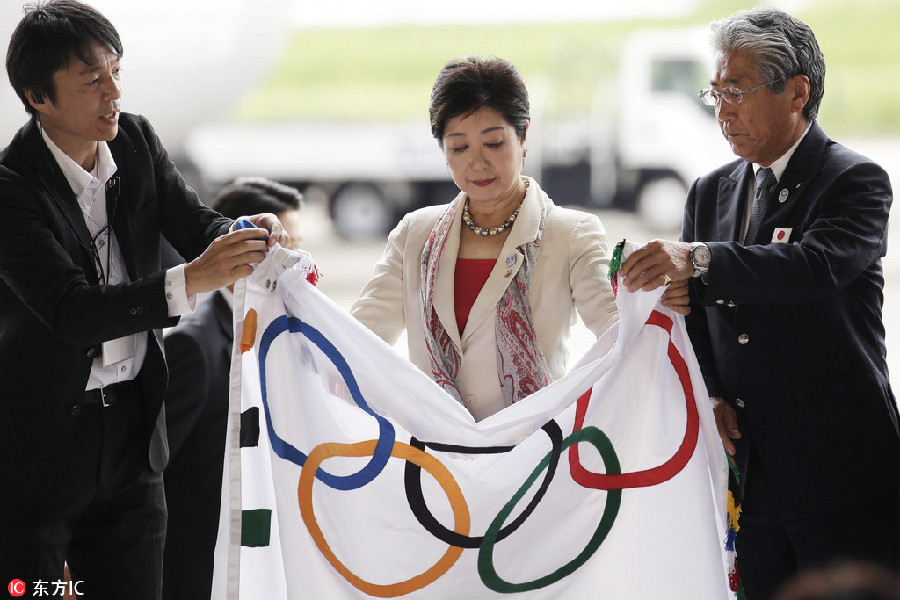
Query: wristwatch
[{"x": 700, "y": 257}]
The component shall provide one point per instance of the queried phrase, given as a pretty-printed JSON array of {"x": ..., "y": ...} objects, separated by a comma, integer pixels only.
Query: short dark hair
[
  {"x": 465, "y": 85},
  {"x": 47, "y": 38},
  {"x": 253, "y": 195},
  {"x": 783, "y": 45}
]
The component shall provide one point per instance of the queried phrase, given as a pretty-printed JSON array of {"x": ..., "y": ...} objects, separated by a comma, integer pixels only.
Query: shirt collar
[
  {"x": 78, "y": 178},
  {"x": 781, "y": 163}
]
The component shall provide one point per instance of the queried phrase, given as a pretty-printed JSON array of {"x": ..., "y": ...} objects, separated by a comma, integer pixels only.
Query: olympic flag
[{"x": 350, "y": 474}]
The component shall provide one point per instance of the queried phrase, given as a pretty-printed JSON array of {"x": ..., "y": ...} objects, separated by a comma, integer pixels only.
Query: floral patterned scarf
[{"x": 521, "y": 366}]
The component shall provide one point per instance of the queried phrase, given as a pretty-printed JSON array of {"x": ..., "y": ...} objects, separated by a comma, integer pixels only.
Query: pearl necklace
[{"x": 467, "y": 219}]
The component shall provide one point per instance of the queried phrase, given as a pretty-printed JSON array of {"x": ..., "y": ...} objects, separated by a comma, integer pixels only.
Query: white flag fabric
[{"x": 350, "y": 474}]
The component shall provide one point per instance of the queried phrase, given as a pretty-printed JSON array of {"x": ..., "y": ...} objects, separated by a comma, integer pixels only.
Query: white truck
[{"x": 647, "y": 137}]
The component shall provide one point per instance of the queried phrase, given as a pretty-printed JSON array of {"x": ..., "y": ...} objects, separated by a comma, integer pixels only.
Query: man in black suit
[
  {"x": 785, "y": 247},
  {"x": 198, "y": 354},
  {"x": 85, "y": 193}
]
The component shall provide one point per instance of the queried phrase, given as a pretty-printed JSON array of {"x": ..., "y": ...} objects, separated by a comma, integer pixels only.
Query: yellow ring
[
  {"x": 666, "y": 279},
  {"x": 400, "y": 450}
]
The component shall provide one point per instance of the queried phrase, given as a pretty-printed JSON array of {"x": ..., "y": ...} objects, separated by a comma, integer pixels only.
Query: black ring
[{"x": 416, "y": 499}]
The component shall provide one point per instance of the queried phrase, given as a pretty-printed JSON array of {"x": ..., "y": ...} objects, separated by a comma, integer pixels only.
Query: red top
[{"x": 468, "y": 279}]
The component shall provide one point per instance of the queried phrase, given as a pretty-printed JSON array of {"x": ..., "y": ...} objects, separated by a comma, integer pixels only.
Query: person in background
[
  {"x": 86, "y": 190},
  {"x": 488, "y": 285},
  {"x": 783, "y": 250},
  {"x": 198, "y": 355}
]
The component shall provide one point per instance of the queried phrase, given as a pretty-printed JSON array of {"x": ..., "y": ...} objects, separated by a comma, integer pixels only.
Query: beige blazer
[{"x": 570, "y": 274}]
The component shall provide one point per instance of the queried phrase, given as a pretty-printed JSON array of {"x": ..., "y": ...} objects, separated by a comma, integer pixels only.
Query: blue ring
[{"x": 285, "y": 450}]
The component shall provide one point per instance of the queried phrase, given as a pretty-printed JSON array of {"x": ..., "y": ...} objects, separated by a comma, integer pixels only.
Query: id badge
[{"x": 118, "y": 350}]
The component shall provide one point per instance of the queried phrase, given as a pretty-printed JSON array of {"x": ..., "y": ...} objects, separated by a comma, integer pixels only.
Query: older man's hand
[
  {"x": 657, "y": 263},
  {"x": 677, "y": 297}
]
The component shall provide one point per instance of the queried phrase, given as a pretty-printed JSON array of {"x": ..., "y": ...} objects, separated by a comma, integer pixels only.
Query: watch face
[{"x": 701, "y": 255}]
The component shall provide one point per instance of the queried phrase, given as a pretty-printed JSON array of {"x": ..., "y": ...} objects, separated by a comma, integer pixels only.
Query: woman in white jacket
[{"x": 487, "y": 286}]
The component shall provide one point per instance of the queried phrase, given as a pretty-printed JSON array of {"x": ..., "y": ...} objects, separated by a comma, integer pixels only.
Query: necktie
[{"x": 765, "y": 181}]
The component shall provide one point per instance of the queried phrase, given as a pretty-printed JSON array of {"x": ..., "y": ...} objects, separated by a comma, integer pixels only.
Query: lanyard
[{"x": 95, "y": 251}]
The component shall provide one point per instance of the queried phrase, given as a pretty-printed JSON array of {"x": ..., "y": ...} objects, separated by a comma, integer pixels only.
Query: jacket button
[
  {"x": 743, "y": 338},
  {"x": 74, "y": 410},
  {"x": 720, "y": 301}
]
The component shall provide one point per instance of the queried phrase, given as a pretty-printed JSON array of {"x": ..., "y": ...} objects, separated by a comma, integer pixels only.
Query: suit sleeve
[
  {"x": 696, "y": 321},
  {"x": 588, "y": 277},
  {"x": 380, "y": 303},
  {"x": 185, "y": 221}
]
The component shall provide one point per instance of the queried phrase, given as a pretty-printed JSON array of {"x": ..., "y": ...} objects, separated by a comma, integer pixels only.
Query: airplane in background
[{"x": 185, "y": 64}]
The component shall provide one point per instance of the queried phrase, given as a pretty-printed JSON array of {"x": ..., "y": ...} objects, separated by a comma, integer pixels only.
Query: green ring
[{"x": 486, "y": 569}]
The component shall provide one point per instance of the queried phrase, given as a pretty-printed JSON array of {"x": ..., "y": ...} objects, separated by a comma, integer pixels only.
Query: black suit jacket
[
  {"x": 198, "y": 352},
  {"x": 791, "y": 333},
  {"x": 53, "y": 311}
]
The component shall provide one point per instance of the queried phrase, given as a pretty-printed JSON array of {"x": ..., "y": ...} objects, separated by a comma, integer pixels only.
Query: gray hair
[{"x": 783, "y": 46}]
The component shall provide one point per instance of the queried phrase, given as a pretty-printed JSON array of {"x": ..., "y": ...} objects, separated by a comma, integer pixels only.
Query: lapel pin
[
  {"x": 781, "y": 235},
  {"x": 510, "y": 260},
  {"x": 783, "y": 195}
]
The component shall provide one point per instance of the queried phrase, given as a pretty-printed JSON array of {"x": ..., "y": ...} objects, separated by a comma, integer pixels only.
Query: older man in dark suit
[
  {"x": 85, "y": 193},
  {"x": 785, "y": 247}
]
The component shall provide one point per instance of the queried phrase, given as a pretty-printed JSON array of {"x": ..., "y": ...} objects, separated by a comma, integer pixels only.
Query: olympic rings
[
  {"x": 286, "y": 451},
  {"x": 665, "y": 471},
  {"x": 434, "y": 467},
  {"x": 385, "y": 446},
  {"x": 486, "y": 569},
  {"x": 418, "y": 506}
]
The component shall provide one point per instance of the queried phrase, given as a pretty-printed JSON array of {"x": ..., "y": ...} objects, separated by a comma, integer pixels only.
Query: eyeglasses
[{"x": 731, "y": 95}]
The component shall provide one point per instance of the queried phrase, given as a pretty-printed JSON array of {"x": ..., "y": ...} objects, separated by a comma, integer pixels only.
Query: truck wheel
[
  {"x": 660, "y": 203},
  {"x": 360, "y": 212}
]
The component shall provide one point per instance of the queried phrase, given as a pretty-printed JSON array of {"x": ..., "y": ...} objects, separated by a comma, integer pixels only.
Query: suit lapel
[
  {"x": 501, "y": 277},
  {"x": 444, "y": 298},
  {"x": 730, "y": 202},
  {"x": 45, "y": 173},
  {"x": 804, "y": 166},
  {"x": 508, "y": 262},
  {"x": 118, "y": 218}
]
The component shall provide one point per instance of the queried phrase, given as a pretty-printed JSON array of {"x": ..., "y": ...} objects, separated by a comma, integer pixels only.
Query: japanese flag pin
[
  {"x": 783, "y": 195},
  {"x": 781, "y": 235}
]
